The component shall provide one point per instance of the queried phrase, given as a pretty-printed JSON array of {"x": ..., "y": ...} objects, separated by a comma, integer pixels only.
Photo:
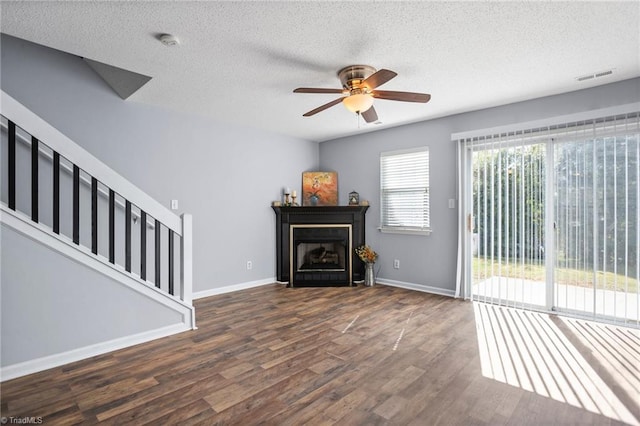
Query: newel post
[{"x": 186, "y": 272}]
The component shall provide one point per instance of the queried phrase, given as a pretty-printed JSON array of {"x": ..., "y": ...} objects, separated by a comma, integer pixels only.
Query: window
[{"x": 404, "y": 191}]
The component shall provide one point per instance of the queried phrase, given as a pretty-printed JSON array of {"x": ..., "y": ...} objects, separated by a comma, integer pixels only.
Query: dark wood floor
[{"x": 347, "y": 356}]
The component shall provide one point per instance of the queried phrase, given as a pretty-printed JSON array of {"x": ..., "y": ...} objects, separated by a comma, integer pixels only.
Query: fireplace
[
  {"x": 315, "y": 245},
  {"x": 320, "y": 253}
]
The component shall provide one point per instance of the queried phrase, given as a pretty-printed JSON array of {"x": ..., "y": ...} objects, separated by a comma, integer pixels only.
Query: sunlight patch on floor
[
  {"x": 527, "y": 350},
  {"x": 395, "y": 347},
  {"x": 350, "y": 324},
  {"x": 397, "y": 344},
  {"x": 617, "y": 349}
]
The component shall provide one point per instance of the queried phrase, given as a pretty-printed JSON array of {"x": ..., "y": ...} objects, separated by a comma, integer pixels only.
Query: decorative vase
[
  {"x": 369, "y": 277},
  {"x": 314, "y": 200}
]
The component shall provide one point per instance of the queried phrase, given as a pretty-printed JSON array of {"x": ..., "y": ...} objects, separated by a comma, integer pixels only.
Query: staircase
[{"x": 90, "y": 263}]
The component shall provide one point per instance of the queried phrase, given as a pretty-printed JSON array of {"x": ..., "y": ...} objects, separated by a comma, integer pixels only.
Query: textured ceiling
[{"x": 238, "y": 62}]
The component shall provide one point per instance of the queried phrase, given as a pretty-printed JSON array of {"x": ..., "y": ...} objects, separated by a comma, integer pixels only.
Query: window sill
[{"x": 424, "y": 232}]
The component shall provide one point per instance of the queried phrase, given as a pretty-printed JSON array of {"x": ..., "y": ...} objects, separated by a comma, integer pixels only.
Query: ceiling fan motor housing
[{"x": 352, "y": 76}]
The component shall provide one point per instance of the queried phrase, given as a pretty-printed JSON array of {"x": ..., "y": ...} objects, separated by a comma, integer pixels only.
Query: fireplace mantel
[{"x": 319, "y": 215}]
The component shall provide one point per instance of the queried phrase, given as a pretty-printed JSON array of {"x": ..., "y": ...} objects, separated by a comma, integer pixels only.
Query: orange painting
[{"x": 319, "y": 189}]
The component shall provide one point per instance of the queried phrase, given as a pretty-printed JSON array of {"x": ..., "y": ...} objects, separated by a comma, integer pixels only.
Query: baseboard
[
  {"x": 251, "y": 284},
  {"x": 51, "y": 361},
  {"x": 232, "y": 288},
  {"x": 417, "y": 287}
]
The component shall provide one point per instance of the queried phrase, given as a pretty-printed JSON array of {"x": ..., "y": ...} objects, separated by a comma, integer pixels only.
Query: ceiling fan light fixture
[{"x": 358, "y": 103}]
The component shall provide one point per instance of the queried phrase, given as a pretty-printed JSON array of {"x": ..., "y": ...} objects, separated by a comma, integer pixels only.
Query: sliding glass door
[
  {"x": 597, "y": 224},
  {"x": 508, "y": 249},
  {"x": 552, "y": 218}
]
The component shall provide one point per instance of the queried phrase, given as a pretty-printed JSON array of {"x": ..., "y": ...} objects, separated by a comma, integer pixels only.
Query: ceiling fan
[{"x": 359, "y": 83}]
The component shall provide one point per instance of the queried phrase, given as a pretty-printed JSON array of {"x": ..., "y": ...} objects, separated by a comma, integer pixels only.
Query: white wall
[
  {"x": 226, "y": 176},
  {"x": 431, "y": 260}
]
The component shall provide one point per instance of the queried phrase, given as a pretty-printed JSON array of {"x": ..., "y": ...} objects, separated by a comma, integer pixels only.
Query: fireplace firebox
[
  {"x": 315, "y": 245},
  {"x": 320, "y": 252}
]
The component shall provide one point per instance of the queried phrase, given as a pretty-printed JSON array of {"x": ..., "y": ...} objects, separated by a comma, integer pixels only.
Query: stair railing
[{"x": 91, "y": 205}]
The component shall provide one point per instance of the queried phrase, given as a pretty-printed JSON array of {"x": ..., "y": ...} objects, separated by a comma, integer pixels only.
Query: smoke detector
[{"x": 169, "y": 40}]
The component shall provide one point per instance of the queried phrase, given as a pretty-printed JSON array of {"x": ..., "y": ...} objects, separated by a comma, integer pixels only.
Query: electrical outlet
[
  {"x": 452, "y": 203},
  {"x": 396, "y": 264},
  {"x": 249, "y": 265},
  {"x": 174, "y": 204}
]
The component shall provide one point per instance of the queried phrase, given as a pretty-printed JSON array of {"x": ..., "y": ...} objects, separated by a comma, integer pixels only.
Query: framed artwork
[{"x": 320, "y": 189}]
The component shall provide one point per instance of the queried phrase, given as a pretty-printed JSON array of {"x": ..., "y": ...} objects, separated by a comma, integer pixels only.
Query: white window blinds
[{"x": 404, "y": 191}]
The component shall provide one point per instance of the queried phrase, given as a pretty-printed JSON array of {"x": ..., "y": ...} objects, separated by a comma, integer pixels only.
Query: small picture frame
[{"x": 354, "y": 198}]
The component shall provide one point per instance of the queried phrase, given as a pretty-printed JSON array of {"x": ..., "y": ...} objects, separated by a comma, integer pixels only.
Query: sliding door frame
[{"x": 549, "y": 226}]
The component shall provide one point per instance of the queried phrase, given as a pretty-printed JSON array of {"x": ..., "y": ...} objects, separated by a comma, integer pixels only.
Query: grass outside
[{"x": 482, "y": 269}]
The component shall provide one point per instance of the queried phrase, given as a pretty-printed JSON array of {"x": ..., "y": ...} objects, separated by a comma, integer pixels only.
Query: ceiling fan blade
[
  {"x": 401, "y": 96},
  {"x": 323, "y": 107},
  {"x": 315, "y": 90},
  {"x": 370, "y": 115},
  {"x": 378, "y": 78}
]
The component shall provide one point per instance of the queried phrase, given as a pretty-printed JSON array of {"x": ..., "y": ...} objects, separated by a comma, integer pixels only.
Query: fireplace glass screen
[{"x": 325, "y": 256}]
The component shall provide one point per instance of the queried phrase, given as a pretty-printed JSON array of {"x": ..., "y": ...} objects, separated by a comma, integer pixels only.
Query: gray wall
[
  {"x": 431, "y": 260},
  {"x": 226, "y": 176},
  {"x": 62, "y": 305}
]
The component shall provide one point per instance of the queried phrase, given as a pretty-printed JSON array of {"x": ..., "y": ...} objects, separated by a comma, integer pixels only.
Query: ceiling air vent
[
  {"x": 596, "y": 75},
  {"x": 585, "y": 77},
  {"x": 603, "y": 73}
]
